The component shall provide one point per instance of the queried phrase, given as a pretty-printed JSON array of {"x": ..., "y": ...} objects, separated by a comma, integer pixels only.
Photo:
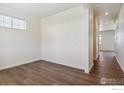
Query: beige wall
[{"x": 94, "y": 38}]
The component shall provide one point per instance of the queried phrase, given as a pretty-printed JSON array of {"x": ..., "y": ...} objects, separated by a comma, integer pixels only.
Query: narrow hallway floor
[{"x": 108, "y": 69}]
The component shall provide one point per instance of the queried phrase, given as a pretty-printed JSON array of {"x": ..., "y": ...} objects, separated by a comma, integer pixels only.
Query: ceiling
[
  {"x": 46, "y": 9},
  {"x": 42, "y": 9},
  {"x": 106, "y": 13}
]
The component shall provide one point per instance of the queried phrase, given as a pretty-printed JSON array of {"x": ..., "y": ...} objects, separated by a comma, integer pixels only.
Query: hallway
[{"x": 108, "y": 68}]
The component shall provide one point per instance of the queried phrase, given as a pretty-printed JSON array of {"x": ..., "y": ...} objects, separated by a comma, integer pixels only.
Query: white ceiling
[
  {"x": 112, "y": 9},
  {"x": 42, "y": 9},
  {"x": 46, "y": 9}
]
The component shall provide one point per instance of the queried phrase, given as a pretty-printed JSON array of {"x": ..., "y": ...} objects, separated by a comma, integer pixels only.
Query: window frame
[
  {"x": 21, "y": 20},
  {"x": 12, "y": 17},
  {"x": 10, "y": 22},
  {"x": 3, "y": 21}
]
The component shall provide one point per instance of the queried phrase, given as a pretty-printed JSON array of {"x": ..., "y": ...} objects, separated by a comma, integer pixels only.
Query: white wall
[
  {"x": 16, "y": 46},
  {"x": 120, "y": 39},
  {"x": 108, "y": 40},
  {"x": 110, "y": 25},
  {"x": 65, "y": 38}
]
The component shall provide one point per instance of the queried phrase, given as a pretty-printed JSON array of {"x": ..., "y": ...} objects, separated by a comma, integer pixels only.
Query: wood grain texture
[
  {"x": 46, "y": 73},
  {"x": 108, "y": 68}
]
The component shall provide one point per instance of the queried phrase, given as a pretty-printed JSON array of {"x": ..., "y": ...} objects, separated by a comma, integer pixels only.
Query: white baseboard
[
  {"x": 91, "y": 67},
  {"x": 119, "y": 63},
  {"x": 18, "y": 64},
  {"x": 64, "y": 64}
]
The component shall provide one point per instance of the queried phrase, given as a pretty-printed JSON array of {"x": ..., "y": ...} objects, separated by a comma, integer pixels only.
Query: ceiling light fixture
[{"x": 106, "y": 13}]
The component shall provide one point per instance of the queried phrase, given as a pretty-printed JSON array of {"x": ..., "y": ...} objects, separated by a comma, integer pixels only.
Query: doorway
[{"x": 106, "y": 40}]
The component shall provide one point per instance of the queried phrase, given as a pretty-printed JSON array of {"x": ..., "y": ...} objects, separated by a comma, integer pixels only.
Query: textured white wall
[
  {"x": 16, "y": 46},
  {"x": 120, "y": 39},
  {"x": 65, "y": 38}
]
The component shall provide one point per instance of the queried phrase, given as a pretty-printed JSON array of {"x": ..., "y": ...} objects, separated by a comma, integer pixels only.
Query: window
[
  {"x": 1, "y": 20},
  {"x": 19, "y": 24},
  {"x": 10, "y": 22},
  {"x": 5, "y": 21}
]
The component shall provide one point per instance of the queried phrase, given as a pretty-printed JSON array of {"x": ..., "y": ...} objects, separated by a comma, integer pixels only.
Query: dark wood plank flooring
[
  {"x": 108, "y": 69},
  {"x": 46, "y": 73}
]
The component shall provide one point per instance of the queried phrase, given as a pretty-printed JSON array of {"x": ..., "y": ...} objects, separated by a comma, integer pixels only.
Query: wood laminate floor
[
  {"x": 46, "y": 73},
  {"x": 108, "y": 69}
]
